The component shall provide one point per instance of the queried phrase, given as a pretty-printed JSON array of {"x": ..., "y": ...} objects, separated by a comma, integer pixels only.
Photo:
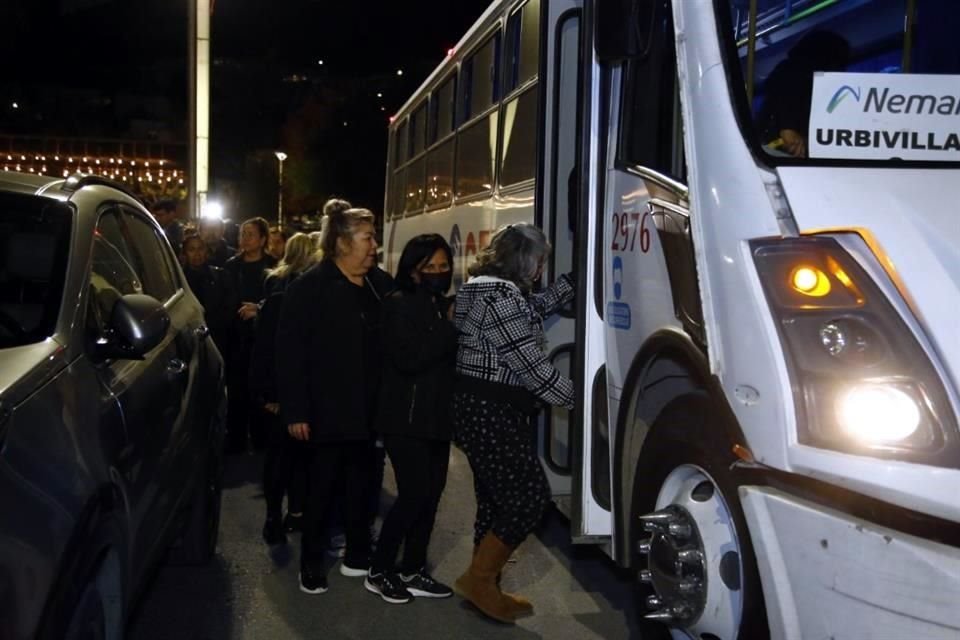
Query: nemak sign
[{"x": 882, "y": 116}]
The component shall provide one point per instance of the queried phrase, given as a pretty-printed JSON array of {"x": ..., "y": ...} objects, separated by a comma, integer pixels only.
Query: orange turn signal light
[{"x": 810, "y": 281}]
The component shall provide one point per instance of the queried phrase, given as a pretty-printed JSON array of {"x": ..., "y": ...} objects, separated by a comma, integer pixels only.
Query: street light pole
[
  {"x": 198, "y": 147},
  {"x": 281, "y": 156}
]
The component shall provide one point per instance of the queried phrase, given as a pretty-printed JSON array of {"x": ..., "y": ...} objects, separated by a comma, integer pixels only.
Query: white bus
[{"x": 761, "y": 202}]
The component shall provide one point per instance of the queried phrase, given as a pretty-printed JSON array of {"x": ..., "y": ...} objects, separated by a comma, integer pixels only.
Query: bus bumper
[{"x": 826, "y": 574}]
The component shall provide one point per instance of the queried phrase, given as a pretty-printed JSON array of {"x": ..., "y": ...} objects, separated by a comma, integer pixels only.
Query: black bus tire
[{"x": 681, "y": 438}]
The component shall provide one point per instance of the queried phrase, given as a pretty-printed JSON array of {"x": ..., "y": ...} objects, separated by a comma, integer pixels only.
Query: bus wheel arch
[
  {"x": 668, "y": 365},
  {"x": 685, "y": 503}
]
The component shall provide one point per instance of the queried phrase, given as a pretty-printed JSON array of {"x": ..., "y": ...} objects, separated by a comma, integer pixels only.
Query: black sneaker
[
  {"x": 312, "y": 582},
  {"x": 273, "y": 531},
  {"x": 388, "y": 586},
  {"x": 422, "y": 585},
  {"x": 293, "y": 523}
]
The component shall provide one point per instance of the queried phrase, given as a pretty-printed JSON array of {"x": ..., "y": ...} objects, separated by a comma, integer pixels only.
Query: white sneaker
[{"x": 352, "y": 572}]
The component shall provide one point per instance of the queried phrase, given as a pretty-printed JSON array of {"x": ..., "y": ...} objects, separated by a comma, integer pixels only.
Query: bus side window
[
  {"x": 518, "y": 148},
  {"x": 522, "y": 45},
  {"x": 401, "y": 145},
  {"x": 650, "y": 131},
  {"x": 439, "y": 187},
  {"x": 479, "y": 95}
]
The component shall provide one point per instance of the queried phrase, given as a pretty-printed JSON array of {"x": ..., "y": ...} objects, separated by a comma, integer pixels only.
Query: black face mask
[{"x": 436, "y": 283}]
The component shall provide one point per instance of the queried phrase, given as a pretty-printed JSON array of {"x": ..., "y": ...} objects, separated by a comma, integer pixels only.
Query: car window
[
  {"x": 34, "y": 247},
  {"x": 112, "y": 273},
  {"x": 128, "y": 257},
  {"x": 151, "y": 252}
]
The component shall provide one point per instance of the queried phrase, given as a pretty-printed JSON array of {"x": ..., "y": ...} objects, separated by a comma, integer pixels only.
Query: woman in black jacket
[
  {"x": 328, "y": 374},
  {"x": 419, "y": 347},
  {"x": 248, "y": 270},
  {"x": 213, "y": 287},
  {"x": 283, "y": 471}
]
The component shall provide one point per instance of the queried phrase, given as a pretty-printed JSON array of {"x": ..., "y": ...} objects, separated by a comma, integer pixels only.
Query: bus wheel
[{"x": 693, "y": 548}]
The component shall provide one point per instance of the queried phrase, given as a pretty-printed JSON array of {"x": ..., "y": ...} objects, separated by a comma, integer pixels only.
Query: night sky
[
  {"x": 74, "y": 37},
  {"x": 139, "y": 47}
]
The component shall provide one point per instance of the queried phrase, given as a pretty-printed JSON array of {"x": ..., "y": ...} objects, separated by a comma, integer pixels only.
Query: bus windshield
[{"x": 860, "y": 80}]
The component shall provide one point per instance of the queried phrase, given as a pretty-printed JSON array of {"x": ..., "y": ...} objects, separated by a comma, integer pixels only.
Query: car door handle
[
  {"x": 202, "y": 331},
  {"x": 176, "y": 366}
]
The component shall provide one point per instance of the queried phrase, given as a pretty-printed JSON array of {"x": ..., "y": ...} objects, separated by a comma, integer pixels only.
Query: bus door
[
  {"x": 650, "y": 285},
  {"x": 558, "y": 51},
  {"x": 559, "y": 192}
]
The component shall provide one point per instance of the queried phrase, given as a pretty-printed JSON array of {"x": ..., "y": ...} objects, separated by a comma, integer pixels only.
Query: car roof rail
[{"x": 78, "y": 181}]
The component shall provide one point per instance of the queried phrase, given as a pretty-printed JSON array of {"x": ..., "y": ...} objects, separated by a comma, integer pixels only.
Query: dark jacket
[
  {"x": 248, "y": 278},
  {"x": 263, "y": 370},
  {"x": 220, "y": 253},
  {"x": 215, "y": 290},
  {"x": 419, "y": 357},
  {"x": 323, "y": 347}
]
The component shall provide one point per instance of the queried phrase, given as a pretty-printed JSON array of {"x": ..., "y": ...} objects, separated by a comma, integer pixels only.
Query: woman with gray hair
[
  {"x": 503, "y": 377},
  {"x": 328, "y": 370}
]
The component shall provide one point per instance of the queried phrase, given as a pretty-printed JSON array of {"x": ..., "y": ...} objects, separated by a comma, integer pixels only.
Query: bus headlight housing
[{"x": 862, "y": 382}]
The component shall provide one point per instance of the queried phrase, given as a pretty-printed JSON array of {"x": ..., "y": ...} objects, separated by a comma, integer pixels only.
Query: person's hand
[
  {"x": 272, "y": 407},
  {"x": 248, "y": 310},
  {"x": 299, "y": 431},
  {"x": 794, "y": 143}
]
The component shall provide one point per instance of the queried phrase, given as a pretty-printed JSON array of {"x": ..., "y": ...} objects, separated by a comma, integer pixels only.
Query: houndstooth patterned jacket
[{"x": 501, "y": 336}]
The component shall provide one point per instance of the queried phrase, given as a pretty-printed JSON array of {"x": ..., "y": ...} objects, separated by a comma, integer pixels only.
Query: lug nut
[
  {"x": 646, "y": 576},
  {"x": 690, "y": 556},
  {"x": 644, "y": 547},
  {"x": 682, "y": 612},
  {"x": 687, "y": 587},
  {"x": 658, "y": 521},
  {"x": 680, "y": 530},
  {"x": 660, "y": 616},
  {"x": 653, "y": 602}
]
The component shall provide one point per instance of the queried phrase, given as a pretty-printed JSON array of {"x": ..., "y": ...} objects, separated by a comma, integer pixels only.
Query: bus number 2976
[{"x": 627, "y": 226}]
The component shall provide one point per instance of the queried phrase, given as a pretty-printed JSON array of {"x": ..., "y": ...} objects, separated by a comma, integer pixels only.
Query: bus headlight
[
  {"x": 878, "y": 413},
  {"x": 862, "y": 382}
]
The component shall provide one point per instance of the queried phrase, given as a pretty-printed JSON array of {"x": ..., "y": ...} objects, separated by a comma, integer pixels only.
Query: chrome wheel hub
[{"x": 693, "y": 558}]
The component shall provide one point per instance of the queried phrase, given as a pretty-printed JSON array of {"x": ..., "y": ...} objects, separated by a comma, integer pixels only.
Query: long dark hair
[{"x": 418, "y": 250}]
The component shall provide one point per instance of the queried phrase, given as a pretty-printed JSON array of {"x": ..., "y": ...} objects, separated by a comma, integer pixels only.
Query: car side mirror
[
  {"x": 623, "y": 28},
  {"x": 138, "y": 323}
]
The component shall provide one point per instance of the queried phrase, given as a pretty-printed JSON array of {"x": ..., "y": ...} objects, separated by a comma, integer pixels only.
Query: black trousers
[
  {"x": 243, "y": 417},
  {"x": 284, "y": 468},
  {"x": 501, "y": 445},
  {"x": 420, "y": 467},
  {"x": 334, "y": 467}
]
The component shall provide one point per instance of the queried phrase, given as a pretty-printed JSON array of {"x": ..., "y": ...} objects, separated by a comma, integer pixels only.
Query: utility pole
[
  {"x": 198, "y": 147},
  {"x": 281, "y": 156}
]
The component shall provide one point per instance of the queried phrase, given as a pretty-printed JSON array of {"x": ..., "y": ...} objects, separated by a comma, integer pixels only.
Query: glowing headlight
[
  {"x": 876, "y": 414},
  {"x": 863, "y": 382}
]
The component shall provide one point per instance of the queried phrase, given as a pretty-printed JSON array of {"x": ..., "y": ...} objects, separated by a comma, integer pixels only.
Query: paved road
[{"x": 249, "y": 592}]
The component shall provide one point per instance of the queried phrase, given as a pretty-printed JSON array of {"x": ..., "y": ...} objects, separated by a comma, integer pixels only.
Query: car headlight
[{"x": 862, "y": 382}]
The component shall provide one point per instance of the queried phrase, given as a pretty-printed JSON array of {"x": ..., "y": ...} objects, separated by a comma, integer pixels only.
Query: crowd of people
[{"x": 334, "y": 364}]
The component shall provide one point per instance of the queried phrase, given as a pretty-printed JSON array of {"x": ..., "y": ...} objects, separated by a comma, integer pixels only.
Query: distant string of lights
[{"x": 132, "y": 170}]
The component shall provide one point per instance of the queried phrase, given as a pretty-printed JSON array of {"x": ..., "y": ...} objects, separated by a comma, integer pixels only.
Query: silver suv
[{"x": 111, "y": 408}]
